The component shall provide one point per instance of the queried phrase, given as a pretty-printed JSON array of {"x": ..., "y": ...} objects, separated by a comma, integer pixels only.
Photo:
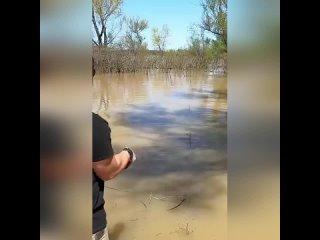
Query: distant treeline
[
  {"x": 119, "y": 44},
  {"x": 121, "y": 61}
]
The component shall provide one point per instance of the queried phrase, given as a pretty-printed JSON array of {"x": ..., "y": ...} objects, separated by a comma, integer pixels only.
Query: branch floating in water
[
  {"x": 151, "y": 196},
  {"x": 177, "y": 205},
  {"x": 117, "y": 189}
]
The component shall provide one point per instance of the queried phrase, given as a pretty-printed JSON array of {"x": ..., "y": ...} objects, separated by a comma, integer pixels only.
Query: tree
[
  {"x": 214, "y": 19},
  {"x": 134, "y": 38},
  {"x": 105, "y": 14},
  {"x": 195, "y": 41},
  {"x": 160, "y": 38},
  {"x": 199, "y": 43}
]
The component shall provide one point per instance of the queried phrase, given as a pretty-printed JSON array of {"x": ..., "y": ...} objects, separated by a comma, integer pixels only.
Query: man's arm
[
  {"x": 106, "y": 164},
  {"x": 109, "y": 168}
]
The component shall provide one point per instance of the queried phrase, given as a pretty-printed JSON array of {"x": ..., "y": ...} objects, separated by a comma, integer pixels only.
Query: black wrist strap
[{"x": 130, "y": 154}]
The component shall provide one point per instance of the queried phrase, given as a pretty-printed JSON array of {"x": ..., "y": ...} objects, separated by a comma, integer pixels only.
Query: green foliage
[
  {"x": 214, "y": 19},
  {"x": 156, "y": 39},
  {"x": 103, "y": 13},
  {"x": 160, "y": 37},
  {"x": 134, "y": 38}
]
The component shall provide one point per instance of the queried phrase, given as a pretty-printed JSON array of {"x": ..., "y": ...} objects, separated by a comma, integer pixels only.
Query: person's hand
[{"x": 132, "y": 156}]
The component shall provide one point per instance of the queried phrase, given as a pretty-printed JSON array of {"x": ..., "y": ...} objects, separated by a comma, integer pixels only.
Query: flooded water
[{"x": 177, "y": 125}]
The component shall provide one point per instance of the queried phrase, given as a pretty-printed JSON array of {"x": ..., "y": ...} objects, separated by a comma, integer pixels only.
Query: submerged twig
[
  {"x": 151, "y": 196},
  {"x": 177, "y": 205},
  {"x": 143, "y": 204},
  {"x": 162, "y": 198},
  {"x": 117, "y": 189},
  {"x": 186, "y": 229}
]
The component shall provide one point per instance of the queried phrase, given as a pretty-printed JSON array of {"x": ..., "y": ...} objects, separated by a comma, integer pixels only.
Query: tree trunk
[{"x": 96, "y": 28}]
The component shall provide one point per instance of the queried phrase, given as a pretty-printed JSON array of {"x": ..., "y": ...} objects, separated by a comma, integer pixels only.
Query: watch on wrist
[{"x": 130, "y": 154}]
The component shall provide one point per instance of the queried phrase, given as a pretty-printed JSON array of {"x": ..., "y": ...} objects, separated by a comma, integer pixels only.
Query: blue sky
[{"x": 177, "y": 14}]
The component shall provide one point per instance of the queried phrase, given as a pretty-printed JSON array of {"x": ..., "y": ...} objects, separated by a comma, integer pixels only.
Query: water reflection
[{"x": 177, "y": 125}]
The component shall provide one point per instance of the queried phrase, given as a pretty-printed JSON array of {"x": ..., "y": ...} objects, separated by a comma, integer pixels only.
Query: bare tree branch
[
  {"x": 104, "y": 10},
  {"x": 95, "y": 42},
  {"x": 96, "y": 26}
]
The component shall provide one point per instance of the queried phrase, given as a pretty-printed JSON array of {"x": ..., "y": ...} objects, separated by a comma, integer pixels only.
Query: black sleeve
[{"x": 101, "y": 139}]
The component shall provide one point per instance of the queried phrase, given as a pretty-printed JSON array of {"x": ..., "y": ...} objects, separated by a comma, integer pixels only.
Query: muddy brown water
[{"x": 177, "y": 125}]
